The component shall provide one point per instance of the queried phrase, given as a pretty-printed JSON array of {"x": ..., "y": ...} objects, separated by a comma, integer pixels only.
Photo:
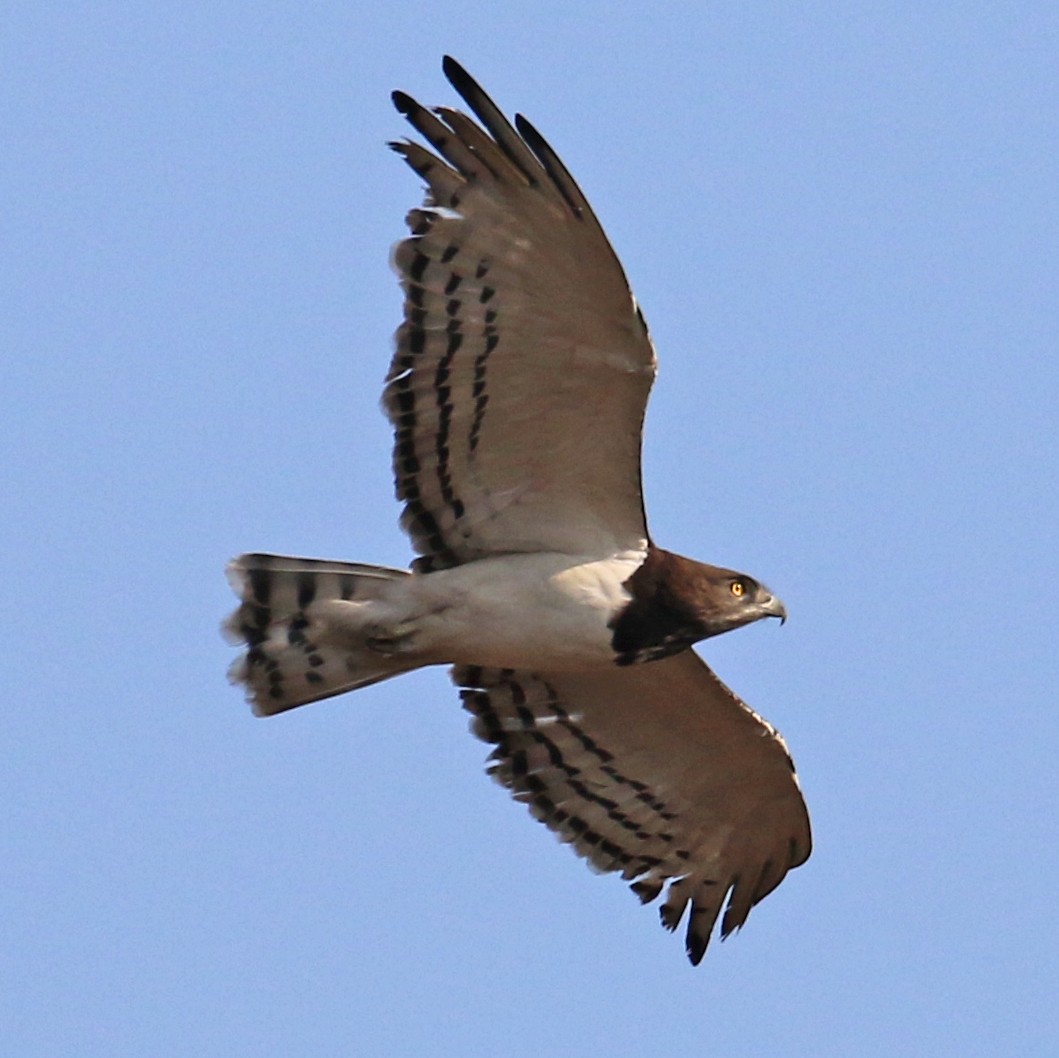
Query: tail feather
[{"x": 297, "y": 619}]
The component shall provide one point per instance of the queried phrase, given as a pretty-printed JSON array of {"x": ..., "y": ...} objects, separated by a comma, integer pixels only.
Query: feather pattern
[
  {"x": 290, "y": 611},
  {"x": 656, "y": 771},
  {"x": 522, "y": 370}
]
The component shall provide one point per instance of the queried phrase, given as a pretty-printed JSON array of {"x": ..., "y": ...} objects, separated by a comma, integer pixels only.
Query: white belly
[{"x": 543, "y": 611}]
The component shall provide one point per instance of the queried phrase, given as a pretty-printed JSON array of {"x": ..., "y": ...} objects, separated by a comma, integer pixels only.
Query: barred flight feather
[
  {"x": 510, "y": 288},
  {"x": 626, "y": 807}
]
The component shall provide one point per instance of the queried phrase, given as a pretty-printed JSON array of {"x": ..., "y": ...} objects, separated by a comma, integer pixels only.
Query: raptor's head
[
  {"x": 723, "y": 599},
  {"x": 675, "y": 601}
]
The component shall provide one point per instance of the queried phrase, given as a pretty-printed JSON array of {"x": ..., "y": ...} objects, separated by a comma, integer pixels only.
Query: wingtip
[
  {"x": 463, "y": 82},
  {"x": 403, "y": 102},
  {"x": 669, "y": 918},
  {"x": 696, "y": 952},
  {"x": 729, "y": 929},
  {"x": 457, "y": 74}
]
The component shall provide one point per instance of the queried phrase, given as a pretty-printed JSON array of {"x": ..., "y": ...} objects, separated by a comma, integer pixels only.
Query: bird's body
[
  {"x": 543, "y": 610},
  {"x": 517, "y": 396}
]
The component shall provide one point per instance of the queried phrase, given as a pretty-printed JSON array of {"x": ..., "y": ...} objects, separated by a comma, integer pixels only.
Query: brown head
[{"x": 677, "y": 601}]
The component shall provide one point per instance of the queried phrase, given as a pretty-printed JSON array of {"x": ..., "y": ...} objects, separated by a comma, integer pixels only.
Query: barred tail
[{"x": 298, "y": 619}]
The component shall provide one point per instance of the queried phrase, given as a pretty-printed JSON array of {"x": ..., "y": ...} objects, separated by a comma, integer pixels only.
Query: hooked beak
[{"x": 772, "y": 606}]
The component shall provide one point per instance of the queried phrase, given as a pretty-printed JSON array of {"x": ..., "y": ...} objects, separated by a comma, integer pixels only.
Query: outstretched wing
[
  {"x": 657, "y": 771},
  {"x": 518, "y": 388}
]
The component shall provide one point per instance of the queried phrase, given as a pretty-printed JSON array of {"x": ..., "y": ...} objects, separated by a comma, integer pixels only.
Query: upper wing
[
  {"x": 655, "y": 770},
  {"x": 523, "y": 365}
]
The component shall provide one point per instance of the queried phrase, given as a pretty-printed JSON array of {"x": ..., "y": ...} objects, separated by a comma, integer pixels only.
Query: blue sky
[{"x": 841, "y": 221}]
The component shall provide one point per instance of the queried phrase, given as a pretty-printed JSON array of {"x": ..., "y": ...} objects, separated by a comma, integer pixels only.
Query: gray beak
[{"x": 771, "y": 606}]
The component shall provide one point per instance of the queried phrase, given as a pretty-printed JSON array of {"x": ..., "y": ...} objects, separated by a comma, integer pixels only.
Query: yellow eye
[{"x": 738, "y": 588}]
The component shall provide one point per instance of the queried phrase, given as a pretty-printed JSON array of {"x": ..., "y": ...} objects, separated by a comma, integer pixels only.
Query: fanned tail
[{"x": 303, "y": 622}]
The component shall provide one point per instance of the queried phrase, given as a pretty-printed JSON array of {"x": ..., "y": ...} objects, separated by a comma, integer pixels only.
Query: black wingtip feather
[
  {"x": 646, "y": 891},
  {"x": 669, "y": 918},
  {"x": 404, "y": 103},
  {"x": 458, "y": 77},
  {"x": 563, "y": 181}
]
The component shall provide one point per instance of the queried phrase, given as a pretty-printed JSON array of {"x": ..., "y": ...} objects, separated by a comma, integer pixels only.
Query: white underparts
[{"x": 539, "y": 611}]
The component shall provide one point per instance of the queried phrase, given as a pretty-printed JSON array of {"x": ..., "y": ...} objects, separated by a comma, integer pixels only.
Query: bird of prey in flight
[{"x": 517, "y": 394}]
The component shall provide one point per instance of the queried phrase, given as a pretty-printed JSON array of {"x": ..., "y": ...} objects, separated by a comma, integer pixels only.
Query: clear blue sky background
[{"x": 841, "y": 220}]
